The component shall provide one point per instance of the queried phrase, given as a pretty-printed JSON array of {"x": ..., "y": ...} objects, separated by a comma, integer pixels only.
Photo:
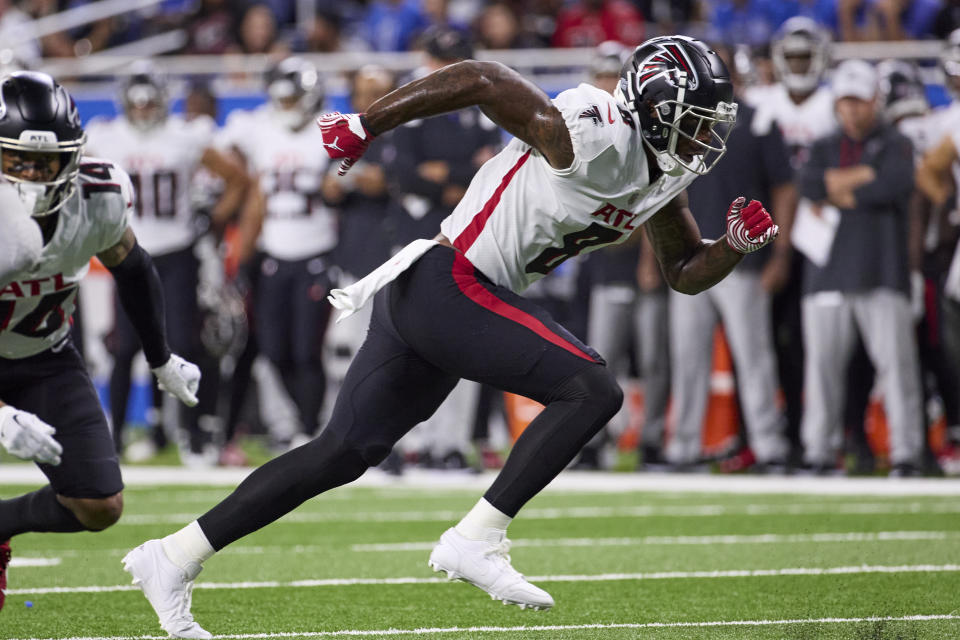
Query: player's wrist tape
[{"x": 141, "y": 295}]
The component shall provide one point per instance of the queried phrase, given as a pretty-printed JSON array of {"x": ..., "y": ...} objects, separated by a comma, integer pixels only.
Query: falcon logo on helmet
[{"x": 679, "y": 89}]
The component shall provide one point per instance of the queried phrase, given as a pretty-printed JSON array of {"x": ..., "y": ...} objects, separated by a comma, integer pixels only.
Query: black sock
[{"x": 37, "y": 511}]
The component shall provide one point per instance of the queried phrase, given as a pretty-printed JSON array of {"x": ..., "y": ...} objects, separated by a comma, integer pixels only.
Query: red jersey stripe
[
  {"x": 469, "y": 234},
  {"x": 463, "y": 275}
]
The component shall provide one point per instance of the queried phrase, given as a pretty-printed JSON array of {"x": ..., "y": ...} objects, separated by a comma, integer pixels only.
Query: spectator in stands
[
  {"x": 757, "y": 166},
  {"x": 946, "y": 20},
  {"x": 587, "y": 23},
  {"x": 258, "y": 33},
  {"x": 326, "y": 35},
  {"x": 671, "y": 16},
  {"x": 862, "y": 178},
  {"x": 12, "y": 21},
  {"x": 823, "y": 12},
  {"x": 749, "y": 22},
  {"x": 885, "y": 19},
  {"x": 498, "y": 27},
  {"x": 393, "y": 25},
  {"x": 211, "y": 29}
]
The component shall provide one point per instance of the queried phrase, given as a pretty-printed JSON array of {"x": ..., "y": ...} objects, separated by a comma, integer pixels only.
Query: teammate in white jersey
[
  {"x": 163, "y": 153},
  {"x": 299, "y": 230},
  {"x": 798, "y": 103},
  {"x": 585, "y": 170},
  {"x": 82, "y": 207}
]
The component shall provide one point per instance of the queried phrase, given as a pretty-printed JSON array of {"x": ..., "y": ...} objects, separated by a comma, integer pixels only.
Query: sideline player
[
  {"x": 82, "y": 208},
  {"x": 585, "y": 170}
]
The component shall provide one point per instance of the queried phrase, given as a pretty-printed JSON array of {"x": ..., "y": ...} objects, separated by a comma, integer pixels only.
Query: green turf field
[{"x": 619, "y": 565}]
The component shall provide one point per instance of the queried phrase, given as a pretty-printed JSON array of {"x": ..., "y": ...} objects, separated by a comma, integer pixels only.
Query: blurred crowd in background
[
  {"x": 325, "y": 26},
  {"x": 855, "y": 307}
]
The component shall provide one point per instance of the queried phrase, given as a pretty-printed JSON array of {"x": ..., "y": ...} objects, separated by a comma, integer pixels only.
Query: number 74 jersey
[
  {"x": 36, "y": 306},
  {"x": 520, "y": 217}
]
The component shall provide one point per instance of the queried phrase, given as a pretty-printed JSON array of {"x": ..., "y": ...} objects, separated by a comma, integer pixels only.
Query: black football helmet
[
  {"x": 37, "y": 115},
  {"x": 678, "y": 87},
  {"x": 296, "y": 92},
  {"x": 800, "y": 37},
  {"x": 901, "y": 90},
  {"x": 145, "y": 97}
]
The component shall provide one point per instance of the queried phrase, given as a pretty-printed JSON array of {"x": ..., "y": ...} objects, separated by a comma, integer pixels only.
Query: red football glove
[
  {"x": 749, "y": 227},
  {"x": 344, "y": 136}
]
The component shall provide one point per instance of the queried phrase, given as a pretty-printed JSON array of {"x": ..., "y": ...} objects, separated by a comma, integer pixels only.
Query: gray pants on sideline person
[
  {"x": 743, "y": 306},
  {"x": 616, "y": 312},
  {"x": 883, "y": 318}
]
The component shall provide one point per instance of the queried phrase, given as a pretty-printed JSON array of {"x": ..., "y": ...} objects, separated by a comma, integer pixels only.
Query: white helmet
[{"x": 800, "y": 37}]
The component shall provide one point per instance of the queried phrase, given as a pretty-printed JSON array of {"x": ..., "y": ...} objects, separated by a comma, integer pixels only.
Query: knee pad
[{"x": 596, "y": 386}]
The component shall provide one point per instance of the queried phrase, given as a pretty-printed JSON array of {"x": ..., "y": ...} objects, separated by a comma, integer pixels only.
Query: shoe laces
[
  {"x": 501, "y": 551},
  {"x": 185, "y": 602}
]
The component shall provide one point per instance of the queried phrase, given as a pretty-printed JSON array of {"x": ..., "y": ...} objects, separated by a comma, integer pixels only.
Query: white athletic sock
[
  {"x": 187, "y": 546},
  {"x": 484, "y": 522}
]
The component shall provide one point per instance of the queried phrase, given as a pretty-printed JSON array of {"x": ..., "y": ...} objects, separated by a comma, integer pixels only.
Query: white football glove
[
  {"x": 179, "y": 378},
  {"x": 27, "y": 436}
]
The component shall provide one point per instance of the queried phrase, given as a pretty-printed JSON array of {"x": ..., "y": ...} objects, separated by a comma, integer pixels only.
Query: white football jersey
[
  {"x": 36, "y": 306},
  {"x": 162, "y": 163},
  {"x": 290, "y": 165},
  {"x": 922, "y": 131},
  {"x": 800, "y": 124},
  {"x": 521, "y": 217}
]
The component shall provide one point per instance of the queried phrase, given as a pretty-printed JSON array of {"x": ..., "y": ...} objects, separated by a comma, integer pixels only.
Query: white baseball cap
[{"x": 855, "y": 79}]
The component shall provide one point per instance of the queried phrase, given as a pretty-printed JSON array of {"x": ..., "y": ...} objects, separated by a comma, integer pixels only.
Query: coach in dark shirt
[{"x": 866, "y": 171}]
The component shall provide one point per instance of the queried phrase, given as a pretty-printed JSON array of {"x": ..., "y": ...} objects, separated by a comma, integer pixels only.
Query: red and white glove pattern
[
  {"x": 344, "y": 136},
  {"x": 749, "y": 226}
]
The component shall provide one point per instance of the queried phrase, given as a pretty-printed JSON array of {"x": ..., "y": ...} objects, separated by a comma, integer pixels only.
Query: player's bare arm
[
  {"x": 236, "y": 183},
  {"x": 689, "y": 263},
  {"x": 933, "y": 174},
  {"x": 504, "y": 95}
]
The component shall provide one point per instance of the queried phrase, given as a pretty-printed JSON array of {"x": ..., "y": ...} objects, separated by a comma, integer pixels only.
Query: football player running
[
  {"x": 584, "y": 170},
  {"x": 82, "y": 208}
]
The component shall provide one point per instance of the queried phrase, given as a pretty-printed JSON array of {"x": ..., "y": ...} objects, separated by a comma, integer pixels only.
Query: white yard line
[
  {"x": 538, "y": 628},
  {"x": 554, "y": 513},
  {"x": 603, "y": 577},
  {"x": 728, "y": 539},
  {"x": 764, "y": 538},
  {"x": 568, "y": 481},
  {"x": 34, "y": 562}
]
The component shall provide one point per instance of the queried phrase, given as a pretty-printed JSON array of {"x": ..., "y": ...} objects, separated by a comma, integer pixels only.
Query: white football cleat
[
  {"x": 486, "y": 564},
  {"x": 167, "y": 587}
]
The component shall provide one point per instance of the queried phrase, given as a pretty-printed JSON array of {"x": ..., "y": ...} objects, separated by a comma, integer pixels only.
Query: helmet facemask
[
  {"x": 145, "y": 106},
  {"x": 669, "y": 123},
  {"x": 800, "y": 39},
  {"x": 36, "y": 150},
  {"x": 296, "y": 98}
]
